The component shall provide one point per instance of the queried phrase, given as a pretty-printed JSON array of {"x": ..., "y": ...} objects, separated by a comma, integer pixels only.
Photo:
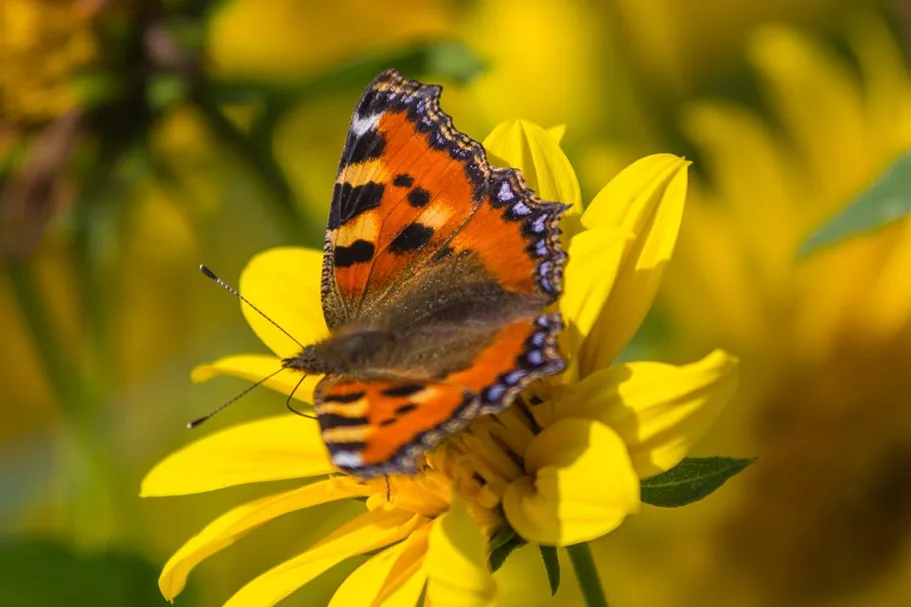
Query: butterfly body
[{"x": 437, "y": 272}]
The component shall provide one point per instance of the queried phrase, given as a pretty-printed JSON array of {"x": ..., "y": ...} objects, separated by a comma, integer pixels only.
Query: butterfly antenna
[
  {"x": 210, "y": 274},
  {"x": 198, "y": 422},
  {"x": 290, "y": 396}
]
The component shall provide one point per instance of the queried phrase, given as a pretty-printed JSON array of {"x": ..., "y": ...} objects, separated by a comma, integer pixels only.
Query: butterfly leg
[{"x": 290, "y": 396}]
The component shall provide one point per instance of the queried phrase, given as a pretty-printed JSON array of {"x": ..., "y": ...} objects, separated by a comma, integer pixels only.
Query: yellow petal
[
  {"x": 364, "y": 586},
  {"x": 582, "y": 485},
  {"x": 285, "y": 284},
  {"x": 370, "y": 531},
  {"x": 594, "y": 259},
  {"x": 659, "y": 410},
  {"x": 557, "y": 132},
  {"x": 885, "y": 78},
  {"x": 405, "y": 571},
  {"x": 278, "y": 448},
  {"x": 645, "y": 199},
  {"x": 831, "y": 139},
  {"x": 456, "y": 562},
  {"x": 529, "y": 148},
  {"x": 234, "y": 524},
  {"x": 254, "y": 367}
]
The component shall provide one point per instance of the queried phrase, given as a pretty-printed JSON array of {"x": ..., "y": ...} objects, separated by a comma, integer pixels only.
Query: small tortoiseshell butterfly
[{"x": 436, "y": 275}]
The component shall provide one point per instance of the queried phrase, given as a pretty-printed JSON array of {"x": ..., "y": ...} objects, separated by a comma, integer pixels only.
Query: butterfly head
[{"x": 345, "y": 352}]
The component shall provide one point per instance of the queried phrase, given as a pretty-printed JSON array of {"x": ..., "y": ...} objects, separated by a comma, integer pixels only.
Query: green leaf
[
  {"x": 165, "y": 90},
  {"x": 451, "y": 60},
  {"x": 584, "y": 565},
  {"x": 95, "y": 87},
  {"x": 501, "y": 545},
  {"x": 552, "y": 565},
  {"x": 36, "y": 573},
  {"x": 886, "y": 201},
  {"x": 690, "y": 480}
]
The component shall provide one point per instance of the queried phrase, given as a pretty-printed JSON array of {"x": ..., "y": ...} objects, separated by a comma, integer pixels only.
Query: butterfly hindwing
[
  {"x": 517, "y": 237},
  {"x": 376, "y": 427},
  {"x": 519, "y": 353},
  {"x": 379, "y": 427}
]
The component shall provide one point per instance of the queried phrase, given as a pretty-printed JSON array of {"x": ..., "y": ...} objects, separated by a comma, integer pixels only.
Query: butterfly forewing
[{"x": 407, "y": 182}]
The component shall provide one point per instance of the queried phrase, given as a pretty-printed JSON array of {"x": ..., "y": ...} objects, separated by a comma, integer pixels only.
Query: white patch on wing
[
  {"x": 347, "y": 459},
  {"x": 359, "y": 126},
  {"x": 506, "y": 192}
]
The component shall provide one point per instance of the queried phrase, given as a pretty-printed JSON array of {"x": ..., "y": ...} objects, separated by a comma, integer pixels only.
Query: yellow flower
[
  {"x": 825, "y": 340},
  {"x": 563, "y": 471}
]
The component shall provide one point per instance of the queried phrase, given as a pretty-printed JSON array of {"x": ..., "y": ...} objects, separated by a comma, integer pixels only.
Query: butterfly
[{"x": 438, "y": 270}]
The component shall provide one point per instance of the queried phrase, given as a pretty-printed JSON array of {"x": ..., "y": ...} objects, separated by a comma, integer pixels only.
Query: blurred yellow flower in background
[
  {"x": 678, "y": 47},
  {"x": 826, "y": 339},
  {"x": 521, "y": 40},
  {"x": 560, "y": 472},
  {"x": 42, "y": 44},
  {"x": 285, "y": 39}
]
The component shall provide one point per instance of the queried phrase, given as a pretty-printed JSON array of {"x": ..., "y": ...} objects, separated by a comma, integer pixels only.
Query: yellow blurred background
[{"x": 139, "y": 138}]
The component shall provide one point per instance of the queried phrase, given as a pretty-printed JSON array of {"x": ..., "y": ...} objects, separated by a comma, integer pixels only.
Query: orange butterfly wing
[
  {"x": 372, "y": 428},
  {"x": 407, "y": 182},
  {"x": 413, "y": 191}
]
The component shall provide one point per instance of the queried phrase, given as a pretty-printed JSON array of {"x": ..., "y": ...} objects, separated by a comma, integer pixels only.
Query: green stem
[
  {"x": 64, "y": 383},
  {"x": 263, "y": 163},
  {"x": 73, "y": 397},
  {"x": 584, "y": 565}
]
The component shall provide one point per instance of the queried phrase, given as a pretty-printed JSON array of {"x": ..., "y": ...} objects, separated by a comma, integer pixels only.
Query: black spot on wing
[
  {"x": 388, "y": 421},
  {"x": 331, "y": 420},
  {"x": 403, "y": 390},
  {"x": 351, "y": 446},
  {"x": 351, "y": 397},
  {"x": 390, "y": 92},
  {"x": 443, "y": 253},
  {"x": 412, "y": 238},
  {"x": 367, "y": 105},
  {"x": 418, "y": 197},
  {"x": 368, "y": 146},
  {"x": 402, "y": 410},
  {"x": 403, "y": 180},
  {"x": 349, "y": 202},
  {"x": 359, "y": 251}
]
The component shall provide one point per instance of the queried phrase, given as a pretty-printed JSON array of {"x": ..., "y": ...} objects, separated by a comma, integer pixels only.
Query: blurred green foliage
[
  {"x": 38, "y": 573},
  {"x": 887, "y": 201}
]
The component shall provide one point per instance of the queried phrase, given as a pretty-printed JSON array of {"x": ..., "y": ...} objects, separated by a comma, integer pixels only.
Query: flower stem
[
  {"x": 93, "y": 469},
  {"x": 63, "y": 381},
  {"x": 584, "y": 565}
]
